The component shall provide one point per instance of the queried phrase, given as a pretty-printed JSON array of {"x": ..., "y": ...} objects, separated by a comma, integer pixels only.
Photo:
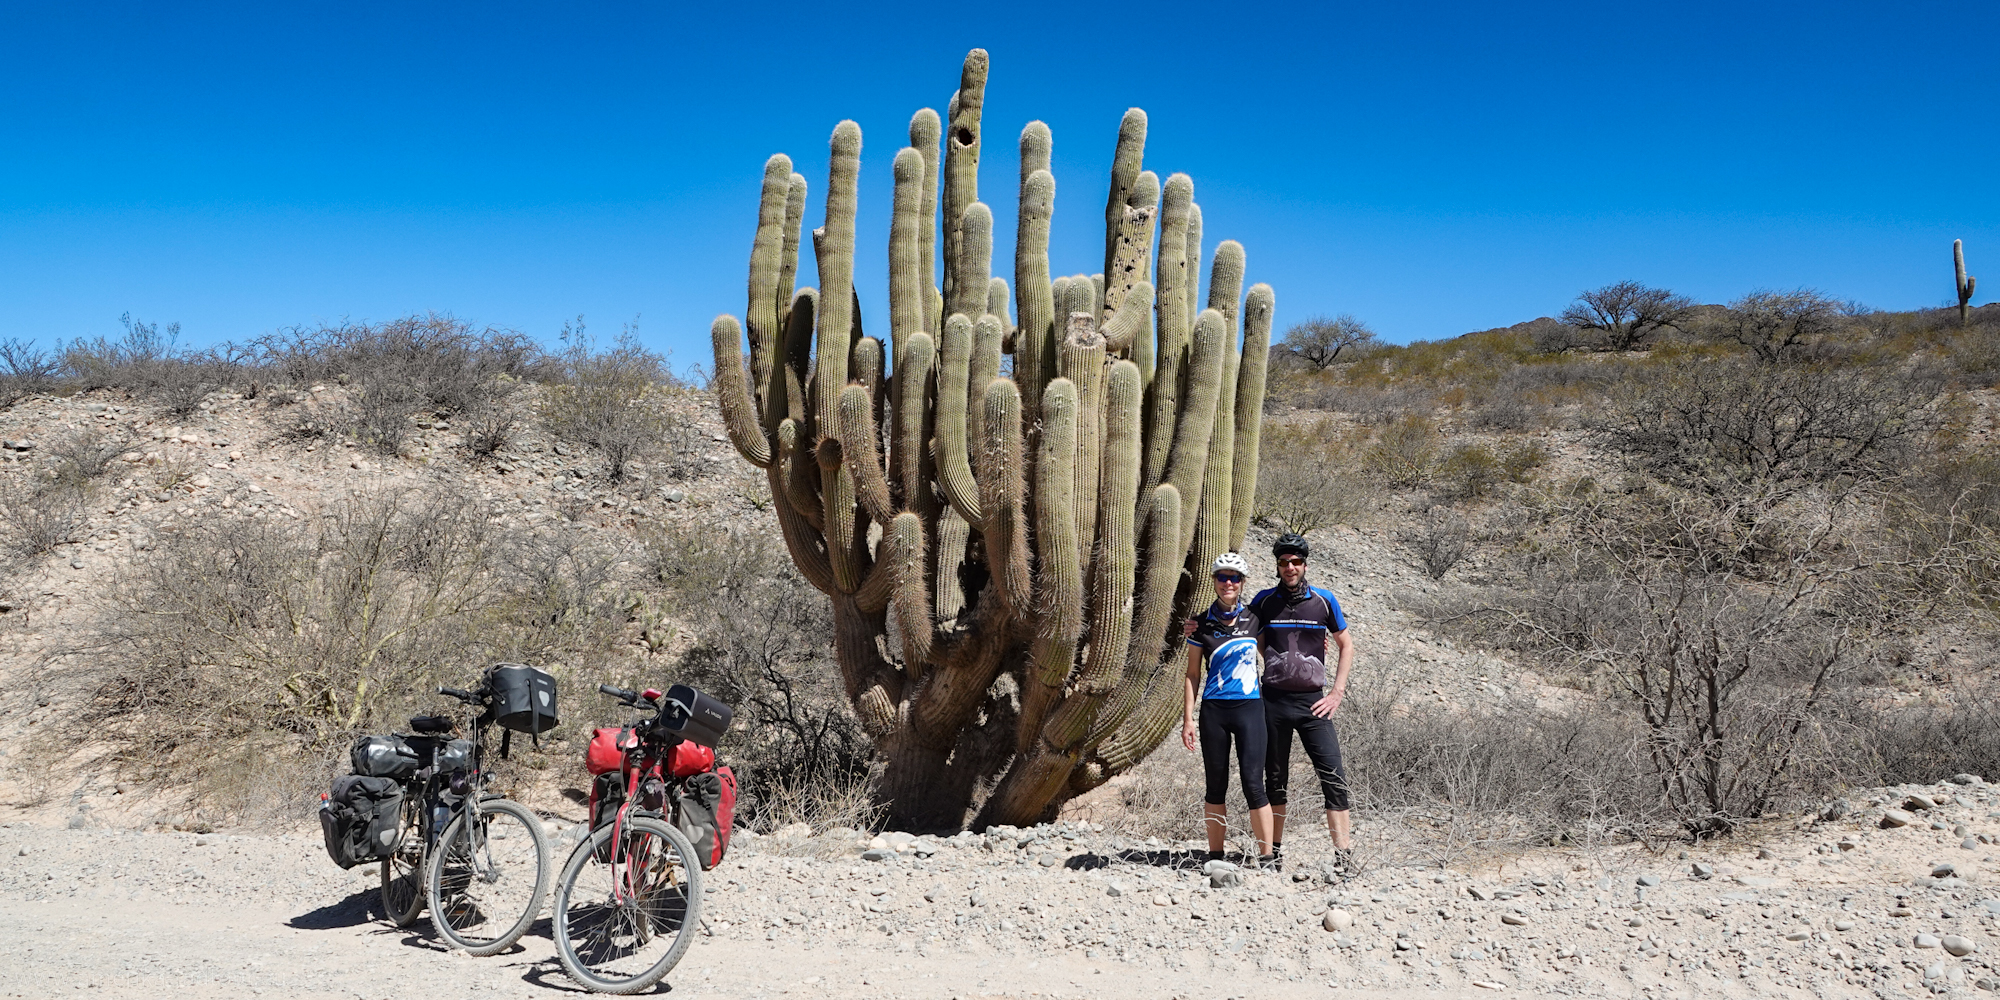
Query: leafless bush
[
  {"x": 1779, "y": 326},
  {"x": 40, "y": 513},
  {"x": 1958, "y": 733},
  {"x": 1729, "y": 429},
  {"x": 1623, "y": 316},
  {"x": 803, "y": 754},
  {"x": 432, "y": 361},
  {"x": 82, "y": 456},
  {"x": 1444, "y": 540},
  {"x": 1731, "y": 679},
  {"x": 612, "y": 400},
  {"x": 25, "y": 371},
  {"x": 1308, "y": 479},
  {"x": 147, "y": 362},
  {"x": 1405, "y": 453},
  {"x": 490, "y": 427},
  {"x": 1549, "y": 336}
]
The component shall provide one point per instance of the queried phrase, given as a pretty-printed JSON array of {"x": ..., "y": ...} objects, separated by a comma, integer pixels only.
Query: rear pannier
[
  {"x": 383, "y": 757},
  {"x": 454, "y": 756},
  {"x": 706, "y": 812},
  {"x": 361, "y": 819}
]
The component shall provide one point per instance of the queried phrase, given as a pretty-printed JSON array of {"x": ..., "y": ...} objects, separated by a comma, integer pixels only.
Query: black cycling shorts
[
  {"x": 1243, "y": 719},
  {"x": 1289, "y": 711}
]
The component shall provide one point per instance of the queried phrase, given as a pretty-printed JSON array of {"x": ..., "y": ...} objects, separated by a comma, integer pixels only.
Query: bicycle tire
[
  {"x": 403, "y": 871},
  {"x": 470, "y": 875},
  {"x": 588, "y": 913}
]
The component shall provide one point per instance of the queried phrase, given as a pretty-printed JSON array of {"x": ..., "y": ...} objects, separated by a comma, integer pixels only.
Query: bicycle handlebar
[
  {"x": 460, "y": 693},
  {"x": 619, "y": 693}
]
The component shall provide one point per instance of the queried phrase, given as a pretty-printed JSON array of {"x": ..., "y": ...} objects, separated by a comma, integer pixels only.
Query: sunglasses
[
  {"x": 1291, "y": 561},
  {"x": 1228, "y": 578}
]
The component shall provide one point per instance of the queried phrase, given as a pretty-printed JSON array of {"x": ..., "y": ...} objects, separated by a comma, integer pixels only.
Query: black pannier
[
  {"x": 454, "y": 756},
  {"x": 694, "y": 716},
  {"x": 383, "y": 757},
  {"x": 361, "y": 819},
  {"x": 524, "y": 698}
]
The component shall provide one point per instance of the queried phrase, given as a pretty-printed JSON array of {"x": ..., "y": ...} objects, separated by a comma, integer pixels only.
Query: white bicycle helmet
[{"x": 1230, "y": 562}]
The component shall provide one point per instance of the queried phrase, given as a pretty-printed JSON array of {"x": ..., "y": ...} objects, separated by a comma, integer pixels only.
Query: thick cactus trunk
[
  {"x": 1965, "y": 283},
  {"x": 1004, "y": 552}
]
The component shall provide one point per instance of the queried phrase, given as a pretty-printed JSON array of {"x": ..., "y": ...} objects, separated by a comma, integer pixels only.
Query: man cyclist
[{"x": 1295, "y": 621}]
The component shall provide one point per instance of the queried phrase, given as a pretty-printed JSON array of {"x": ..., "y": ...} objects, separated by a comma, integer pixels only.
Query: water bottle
[{"x": 440, "y": 815}]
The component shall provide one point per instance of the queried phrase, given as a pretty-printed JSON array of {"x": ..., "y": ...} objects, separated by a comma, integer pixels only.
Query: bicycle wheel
[
  {"x": 625, "y": 914},
  {"x": 487, "y": 878},
  {"x": 403, "y": 871}
]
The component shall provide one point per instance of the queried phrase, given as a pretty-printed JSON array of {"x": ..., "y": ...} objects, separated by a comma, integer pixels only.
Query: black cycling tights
[
  {"x": 1286, "y": 712},
  {"x": 1242, "y": 718}
]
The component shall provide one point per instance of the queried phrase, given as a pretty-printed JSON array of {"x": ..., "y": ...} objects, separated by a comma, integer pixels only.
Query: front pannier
[
  {"x": 524, "y": 698},
  {"x": 361, "y": 819},
  {"x": 454, "y": 756},
  {"x": 383, "y": 757},
  {"x": 706, "y": 811}
]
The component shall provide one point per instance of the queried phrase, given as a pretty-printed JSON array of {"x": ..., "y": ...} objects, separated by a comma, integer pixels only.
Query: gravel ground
[{"x": 1841, "y": 907}]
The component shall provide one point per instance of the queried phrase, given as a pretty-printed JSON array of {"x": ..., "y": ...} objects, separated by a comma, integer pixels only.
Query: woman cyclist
[{"x": 1224, "y": 673}]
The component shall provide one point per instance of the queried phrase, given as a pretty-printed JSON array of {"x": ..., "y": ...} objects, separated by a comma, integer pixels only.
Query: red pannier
[
  {"x": 606, "y": 752},
  {"x": 689, "y": 759}
]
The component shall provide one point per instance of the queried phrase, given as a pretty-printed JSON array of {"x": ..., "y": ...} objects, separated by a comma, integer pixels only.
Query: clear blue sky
[{"x": 1433, "y": 168}]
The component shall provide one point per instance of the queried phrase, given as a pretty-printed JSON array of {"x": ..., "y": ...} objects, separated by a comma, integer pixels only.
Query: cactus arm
[
  {"x": 861, "y": 454},
  {"x": 975, "y": 262},
  {"x": 906, "y": 279},
  {"x": 1250, "y": 374},
  {"x": 1134, "y": 247},
  {"x": 997, "y": 296},
  {"x": 982, "y": 368},
  {"x": 802, "y": 538},
  {"x": 961, "y": 163},
  {"x": 1036, "y": 146},
  {"x": 953, "y": 534},
  {"x": 1001, "y": 493},
  {"x": 834, "y": 243},
  {"x": 1170, "y": 307},
  {"x": 909, "y": 599},
  {"x": 802, "y": 482},
  {"x": 1162, "y": 576},
  {"x": 760, "y": 319},
  {"x": 788, "y": 255},
  {"x": 912, "y": 404},
  {"x": 786, "y": 398},
  {"x": 1225, "y": 286},
  {"x": 1132, "y": 323},
  {"x": 1034, "y": 298},
  {"x": 842, "y": 524},
  {"x": 1082, "y": 363},
  {"x": 1197, "y": 420},
  {"x": 1193, "y": 258},
  {"x": 926, "y": 131},
  {"x": 954, "y": 472},
  {"x": 1127, "y": 159},
  {"x": 733, "y": 395},
  {"x": 1059, "y": 576}
]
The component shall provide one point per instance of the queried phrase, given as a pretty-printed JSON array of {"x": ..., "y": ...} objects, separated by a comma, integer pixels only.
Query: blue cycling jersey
[{"x": 1229, "y": 651}]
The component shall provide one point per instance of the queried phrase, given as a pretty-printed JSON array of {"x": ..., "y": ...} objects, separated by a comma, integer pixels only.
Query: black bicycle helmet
[{"x": 1291, "y": 543}]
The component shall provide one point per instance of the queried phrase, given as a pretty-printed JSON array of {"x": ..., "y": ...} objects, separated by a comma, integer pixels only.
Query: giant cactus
[
  {"x": 1966, "y": 283},
  {"x": 1005, "y": 553}
]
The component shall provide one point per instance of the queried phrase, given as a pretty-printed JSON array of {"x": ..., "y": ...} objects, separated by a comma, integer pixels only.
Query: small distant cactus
[
  {"x": 1004, "y": 553},
  {"x": 1965, "y": 282}
]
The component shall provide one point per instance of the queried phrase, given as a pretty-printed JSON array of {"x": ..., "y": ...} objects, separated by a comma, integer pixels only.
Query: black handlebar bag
[{"x": 524, "y": 699}]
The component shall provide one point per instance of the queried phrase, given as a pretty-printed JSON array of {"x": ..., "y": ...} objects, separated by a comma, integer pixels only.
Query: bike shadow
[{"x": 360, "y": 908}]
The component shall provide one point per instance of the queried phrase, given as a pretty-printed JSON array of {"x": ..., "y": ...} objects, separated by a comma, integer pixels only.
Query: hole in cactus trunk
[{"x": 964, "y": 136}]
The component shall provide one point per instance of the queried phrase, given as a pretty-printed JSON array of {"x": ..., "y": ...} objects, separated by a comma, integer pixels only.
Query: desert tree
[
  {"x": 1778, "y": 326},
  {"x": 1319, "y": 341},
  {"x": 1623, "y": 316}
]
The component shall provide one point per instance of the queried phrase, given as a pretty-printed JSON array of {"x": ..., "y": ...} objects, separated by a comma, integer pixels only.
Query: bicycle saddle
[{"x": 430, "y": 725}]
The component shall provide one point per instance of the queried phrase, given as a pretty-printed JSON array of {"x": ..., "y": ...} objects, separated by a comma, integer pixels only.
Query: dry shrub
[
  {"x": 1727, "y": 429},
  {"x": 1471, "y": 470},
  {"x": 616, "y": 401},
  {"x": 40, "y": 513},
  {"x": 81, "y": 457},
  {"x": 432, "y": 361},
  {"x": 1444, "y": 540},
  {"x": 760, "y": 643},
  {"x": 25, "y": 371},
  {"x": 1307, "y": 477},
  {"x": 1405, "y": 453},
  {"x": 146, "y": 362},
  {"x": 1521, "y": 461}
]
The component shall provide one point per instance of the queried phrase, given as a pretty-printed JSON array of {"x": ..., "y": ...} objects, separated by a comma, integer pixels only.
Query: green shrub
[{"x": 1405, "y": 453}]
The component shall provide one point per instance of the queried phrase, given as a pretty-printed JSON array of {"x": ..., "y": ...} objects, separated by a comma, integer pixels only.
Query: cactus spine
[
  {"x": 1965, "y": 283},
  {"x": 1033, "y": 523}
]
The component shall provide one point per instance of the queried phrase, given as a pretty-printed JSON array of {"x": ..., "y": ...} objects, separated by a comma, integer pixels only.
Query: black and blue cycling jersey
[
  {"x": 1296, "y": 623},
  {"x": 1228, "y": 645}
]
